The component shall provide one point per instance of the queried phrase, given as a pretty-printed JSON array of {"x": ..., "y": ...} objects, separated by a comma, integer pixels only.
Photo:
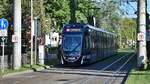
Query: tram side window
[
  {"x": 116, "y": 43},
  {"x": 102, "y": 43},
  {"x": 110, "y": 46},
  {"x": 108, "y": 39},
  {"x": 94, "y": 40},
  {"x": 90, "y": 42},
  {"x": 87, "y": 46},
  {"x": 101, "y": 40},
  {"x": 98, "y": 40},
  {"x": 113, "y": 43},
  {"x": 104, "y": 40}
]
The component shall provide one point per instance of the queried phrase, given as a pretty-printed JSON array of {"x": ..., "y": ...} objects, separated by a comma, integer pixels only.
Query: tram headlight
[
  {"x": 84, "y": 56},
  {"x": 64, "y": 57}
]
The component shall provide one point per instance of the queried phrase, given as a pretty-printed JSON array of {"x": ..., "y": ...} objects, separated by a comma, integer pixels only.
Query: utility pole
[
  {"x": 73, "y": 6},
  {"x": 17, "y": 32},
  {"x": 32, "y": 33},
  {"x": 142, "y": 54}
]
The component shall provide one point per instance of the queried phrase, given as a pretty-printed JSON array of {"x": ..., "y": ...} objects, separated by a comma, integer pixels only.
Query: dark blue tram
[{"x": 83, "y": 43}]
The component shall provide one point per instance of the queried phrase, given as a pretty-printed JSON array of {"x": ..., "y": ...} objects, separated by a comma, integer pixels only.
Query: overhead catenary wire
[{"x": 127, "y": 3}]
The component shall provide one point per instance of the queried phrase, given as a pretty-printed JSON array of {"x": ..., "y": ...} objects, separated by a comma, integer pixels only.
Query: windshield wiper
[{"x": 76, "y": 47}]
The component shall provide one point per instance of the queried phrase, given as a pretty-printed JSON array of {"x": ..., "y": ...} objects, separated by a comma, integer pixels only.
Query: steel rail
[
  {"x": 103, "y": 69},
  {"x": 117, "y": 72}
]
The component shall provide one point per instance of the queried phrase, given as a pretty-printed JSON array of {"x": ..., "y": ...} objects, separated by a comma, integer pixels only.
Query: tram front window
[{"x": 72, "y": 44}]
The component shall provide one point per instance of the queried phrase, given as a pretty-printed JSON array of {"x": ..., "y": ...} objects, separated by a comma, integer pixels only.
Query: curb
[{"x": 22, "y": 72}]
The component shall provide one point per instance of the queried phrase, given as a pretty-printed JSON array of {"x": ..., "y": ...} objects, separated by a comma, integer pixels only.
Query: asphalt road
[{"x": 93, "y": 74}]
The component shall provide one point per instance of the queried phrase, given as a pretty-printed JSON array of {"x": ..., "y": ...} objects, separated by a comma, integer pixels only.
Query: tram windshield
[{"x": 72, "y": 43}]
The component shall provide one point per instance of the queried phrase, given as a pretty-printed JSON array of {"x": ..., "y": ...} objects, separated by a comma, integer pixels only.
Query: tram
[{"x": 83, "y": 43}]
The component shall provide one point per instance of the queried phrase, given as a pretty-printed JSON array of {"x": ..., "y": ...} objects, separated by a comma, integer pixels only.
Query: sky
[{"x": 131, "y": 7}]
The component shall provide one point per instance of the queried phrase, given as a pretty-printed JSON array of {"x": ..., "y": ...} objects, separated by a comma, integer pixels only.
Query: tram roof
[
  {"x": 90, "y": 27},
  {"x": 98, "y": 29}
]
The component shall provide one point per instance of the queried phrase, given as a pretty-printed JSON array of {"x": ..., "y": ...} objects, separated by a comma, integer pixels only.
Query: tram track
[
  {"x": 98, "y": 69},
  {"x": 101, "y": 72},
  {"x": 86, "y": 68},
  {"x": 112, "y": 79}
]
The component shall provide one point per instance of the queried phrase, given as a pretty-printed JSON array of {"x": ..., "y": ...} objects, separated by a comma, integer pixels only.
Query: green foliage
[
  {"x": 26, "y": 12},
  {"x": 55, "y": 13},
  {"x": 58, "y": 11},
  {"x": 128, "y": 29},
  {"x": 109, "y": 15},
  {"x": 84, "y": 10},
  {"x": 6, "y": 9},
  {"x": 39, "y": 12},
  {"x": 86, "y": 7}
]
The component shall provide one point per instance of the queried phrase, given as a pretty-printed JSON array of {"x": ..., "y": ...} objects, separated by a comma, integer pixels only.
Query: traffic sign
[
  {"x": 3, "y": 32},
  {"x": 15, "y": 38},
  {"x": 3, "y": 24},
  {"x": 140, "y": 36}
]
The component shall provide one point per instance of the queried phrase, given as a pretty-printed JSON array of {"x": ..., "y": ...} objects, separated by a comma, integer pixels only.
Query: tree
[
  {"x": 6, "y": 9},
  {"x": 106, "y": 13},
  {"x": 85, "y": 10},
  {"x": 26, "y": 7},
  {"x": 39, "y": 12},
  {"x": 58, "y": 11},
  {"x": 128, "y": 30},
  {"x": 109, "y": 17}
]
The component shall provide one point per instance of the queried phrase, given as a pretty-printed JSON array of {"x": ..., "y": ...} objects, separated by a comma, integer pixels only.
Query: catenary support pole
[
  {"x": 73, "y": 5},
  {"x": 142, "y": 54},
  {"x": 17, "y": 32}
]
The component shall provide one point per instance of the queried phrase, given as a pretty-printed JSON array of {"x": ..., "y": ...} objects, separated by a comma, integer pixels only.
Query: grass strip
[
  {"x": 139, "y": 77},
  {"x": 23, "y": 68}
]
